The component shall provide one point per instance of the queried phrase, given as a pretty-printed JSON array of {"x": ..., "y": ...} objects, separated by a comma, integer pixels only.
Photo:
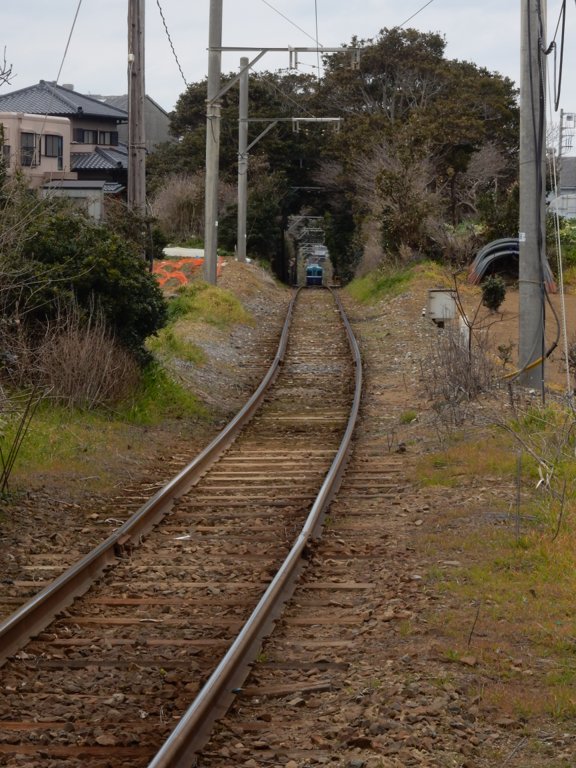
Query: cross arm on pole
[
  {"x": 237, "y": 77},
  {"x": 262, "y": 134},
  {"x": 293, "y": 52}
]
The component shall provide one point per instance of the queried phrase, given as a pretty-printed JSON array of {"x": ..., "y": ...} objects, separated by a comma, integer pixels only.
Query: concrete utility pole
[
  {"x": 532, "y": 233},
  {"x": 243, "y": 159},
  {"x": 136, "y": 96},
  {"x": 212, "y": 142}
]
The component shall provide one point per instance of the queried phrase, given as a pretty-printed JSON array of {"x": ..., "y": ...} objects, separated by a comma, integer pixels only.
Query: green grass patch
[
  {"x": 407, "y": 417},
  {"x": 206, "y": 303},
  {"x": 160, "y": 397},
  {"x": 60, "y": 439},
  {"x": 169, "y": 343},
  {"x": 64, "y": 440},
  {"x": 492, "y": 456},
  {"x": 377, "y": 285}
]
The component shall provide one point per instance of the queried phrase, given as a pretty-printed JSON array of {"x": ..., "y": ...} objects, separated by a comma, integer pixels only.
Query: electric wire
[
  {"x": 271, "y": 84},
  {"x": 399, "y": 26},
  {"x": 171, "y": 43},
  {"x": 553, "y": 47},
  {"x": 289, "y": 20},
  {"x": 554, "y": 175},
  {"x": 68, "y": 41},
  {"x": 538, "y": 130}
]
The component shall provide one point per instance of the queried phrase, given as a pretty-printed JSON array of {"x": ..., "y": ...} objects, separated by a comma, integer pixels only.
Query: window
[
  {"x": 82, "y": 136},
  {"x": 90, "y": 137},
  {"x": 54, "y": 147},
  {"x": 29, "y": 149},
  {"x": 109, "y": 138},
  {"x": 6, "y": 153}
]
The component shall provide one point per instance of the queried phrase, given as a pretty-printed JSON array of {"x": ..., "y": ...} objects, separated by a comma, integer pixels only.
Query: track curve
[{"x": 105, "y": 684}]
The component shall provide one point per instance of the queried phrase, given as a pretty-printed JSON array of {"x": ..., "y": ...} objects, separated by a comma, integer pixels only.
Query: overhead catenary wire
[
  {"x": 289, "y": 20},
  {"x": 176, "y": 59}
]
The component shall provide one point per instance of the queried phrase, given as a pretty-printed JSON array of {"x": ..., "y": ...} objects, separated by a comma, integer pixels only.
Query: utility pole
[
  {"x": 213, "y": 108},
  {"x": 136, "y": 96},
  {"x": 212, "y": 142},
  {"x": 243, "y": 159},
  {"x": 532, "y": 234}
]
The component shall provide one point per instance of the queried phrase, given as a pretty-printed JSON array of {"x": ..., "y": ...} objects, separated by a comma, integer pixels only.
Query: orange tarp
[{"x": 172, "y": 273}]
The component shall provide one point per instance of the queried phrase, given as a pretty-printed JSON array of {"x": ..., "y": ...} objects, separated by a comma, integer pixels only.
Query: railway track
[
  {"x": 107, "y": 681},
  {"x": 27, "y": 570}
]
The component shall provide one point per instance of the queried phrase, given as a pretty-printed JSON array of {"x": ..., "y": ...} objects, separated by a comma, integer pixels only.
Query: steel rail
[
  {"x": 214, "y": 699},
  {"x": 38, "y": 612}
]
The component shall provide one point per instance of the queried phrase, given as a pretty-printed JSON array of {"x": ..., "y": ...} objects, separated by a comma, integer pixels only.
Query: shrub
[
  {"x": 493, "y": 292},
  {"x": 80, "y": 365},
  {"x": 75, "y": 361},
  {"x": 68, "y": 257},
  {"x": 179, "y": 205}
]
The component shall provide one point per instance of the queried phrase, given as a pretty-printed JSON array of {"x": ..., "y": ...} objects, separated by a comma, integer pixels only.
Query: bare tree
[
  {"x": 5, "y": 70},
  {"x": 396, "y": 187},
  {"x": 485, "y": 169}
]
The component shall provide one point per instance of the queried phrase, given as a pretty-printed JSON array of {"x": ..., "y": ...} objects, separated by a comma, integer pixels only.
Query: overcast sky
[{"x": 35, "y": 34}]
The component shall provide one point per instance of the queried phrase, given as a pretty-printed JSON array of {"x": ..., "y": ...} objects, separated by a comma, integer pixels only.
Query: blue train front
[{"x": 314, "y": 275}]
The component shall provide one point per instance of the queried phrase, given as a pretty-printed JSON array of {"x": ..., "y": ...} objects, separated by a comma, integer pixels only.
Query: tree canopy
[{"x": 426, "y": 143}]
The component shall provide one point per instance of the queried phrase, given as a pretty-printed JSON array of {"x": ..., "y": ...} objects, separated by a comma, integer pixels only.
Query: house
[
  {"x": 57, "y": 136},
  {"x": 156, "y": 121},
  {"x": 565, "y": 202},
  {"x": 39, "y": 145}
]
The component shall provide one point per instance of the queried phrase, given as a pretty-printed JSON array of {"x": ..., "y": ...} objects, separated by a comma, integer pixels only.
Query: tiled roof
[
  {"x": 51, "y": 99},
  {"x": 121, "y": 102},
  {"x": 108, "y": 187},
  {"x": 101, "y": 159}
]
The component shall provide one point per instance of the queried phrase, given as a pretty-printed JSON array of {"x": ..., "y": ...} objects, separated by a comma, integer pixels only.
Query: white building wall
[{"x": 42, "y": 167}]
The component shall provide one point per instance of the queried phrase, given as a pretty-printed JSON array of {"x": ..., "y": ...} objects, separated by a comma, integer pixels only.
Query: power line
[
  {"x": 69, "y": 39},
  {"x": 271, "y": 84},
  {"x": 53, "y": 94},
  {"x": 171, "y": 43},
  {"x": 414, "y": 14},
  {"x": 286, "y": 18}
]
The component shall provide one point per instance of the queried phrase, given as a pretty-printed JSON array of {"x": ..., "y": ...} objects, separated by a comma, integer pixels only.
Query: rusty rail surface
[
  {"x": 37, "y": 613},
  {"x": 193, "y": 730}
]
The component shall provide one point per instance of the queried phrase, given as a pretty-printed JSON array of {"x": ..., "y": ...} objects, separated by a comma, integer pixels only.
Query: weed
[
  {"x": 408, "y": 417},
  {"x": 562, "y": 703},
  {"x": 377, "y": 285},
  {"x": 405, "y": 628},
  {"x": 169, "y": 342},
  {"x": 160, "y": 397},
  {"x": 203, "y": 302}
]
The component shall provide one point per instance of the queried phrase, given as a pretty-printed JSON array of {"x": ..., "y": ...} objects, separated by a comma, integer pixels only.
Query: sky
[{"x": 35, "y": 34}]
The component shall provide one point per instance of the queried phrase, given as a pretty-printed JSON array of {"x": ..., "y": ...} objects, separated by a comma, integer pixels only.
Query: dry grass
[
  {"x": 510, "y": 583},
  {"x": 75, "y": 361}
]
